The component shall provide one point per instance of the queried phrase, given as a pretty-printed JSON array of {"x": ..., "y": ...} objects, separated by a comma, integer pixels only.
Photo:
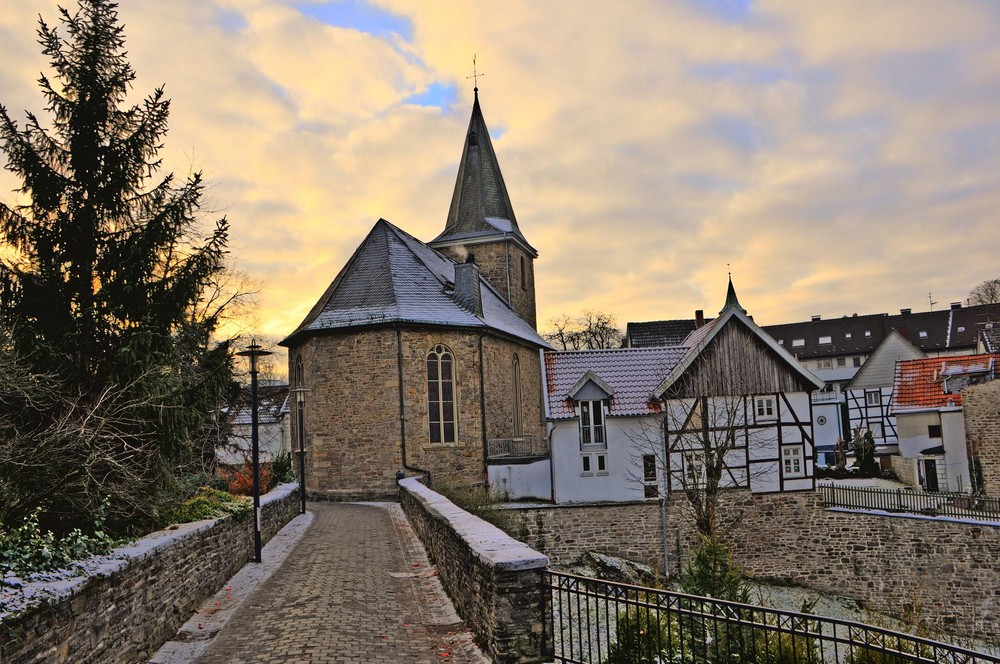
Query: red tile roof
[{"x": 936, "y": 382}]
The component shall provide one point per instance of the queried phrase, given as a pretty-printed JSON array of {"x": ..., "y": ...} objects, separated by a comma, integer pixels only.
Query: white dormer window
[
  {"x": 847, "y": 335},
  {"x": 961, "y": 328},
  {"x": 825, "y": 340},
  {"x": 923, "y": 334},
  {"x": 781, "y": 342},
  {"x": 592, "y": 425},
  {"x": 868, "y": 333},
  {"x": 796, "y": 343}
]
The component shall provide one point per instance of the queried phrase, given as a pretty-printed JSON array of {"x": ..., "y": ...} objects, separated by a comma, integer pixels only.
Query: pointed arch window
[
  {"x": 524, "y": 275},
  {"x": 515, "y": 370},
  {"x": 441, "y": 395}
]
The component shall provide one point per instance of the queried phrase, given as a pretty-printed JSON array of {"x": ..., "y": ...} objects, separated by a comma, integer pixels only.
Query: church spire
[
  {"x": 480, "y": 206},
  {"x": 731, "y": 299}
]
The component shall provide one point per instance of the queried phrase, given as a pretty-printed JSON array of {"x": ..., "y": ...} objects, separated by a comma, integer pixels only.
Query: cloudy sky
[{"x": 841, "y": 157}]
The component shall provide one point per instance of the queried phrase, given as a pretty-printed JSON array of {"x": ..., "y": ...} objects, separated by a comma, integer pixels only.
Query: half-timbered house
[{"x": 728, "y": 404}]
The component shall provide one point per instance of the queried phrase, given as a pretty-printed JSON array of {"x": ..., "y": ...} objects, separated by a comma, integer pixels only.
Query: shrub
[
  {"x": 210, "y": 503},
  {"x": 642, "y": 636},
  {"x": 281, "y": 469},
  {"x": 240, "y": 480},
  {"x": 27, "y": 549},
  {"x": 478, "y": 501}
]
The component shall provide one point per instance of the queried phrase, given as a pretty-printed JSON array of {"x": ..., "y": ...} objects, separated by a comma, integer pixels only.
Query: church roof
[
  {"x": 395, "y": 278},
  {"x": 731, "y": 299},
  {"x": 480, "y": 206}
]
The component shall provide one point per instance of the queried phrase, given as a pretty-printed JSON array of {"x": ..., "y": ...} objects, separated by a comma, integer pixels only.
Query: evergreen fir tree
[{"x": 105, "y": 291}]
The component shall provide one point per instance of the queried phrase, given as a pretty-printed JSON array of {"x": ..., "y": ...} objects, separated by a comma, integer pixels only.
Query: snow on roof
[
  {"x": 633, "y": 374},
  {"x": 936, "y": 382}
]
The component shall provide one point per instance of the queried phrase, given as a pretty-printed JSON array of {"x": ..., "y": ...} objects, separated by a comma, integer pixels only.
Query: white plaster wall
[
  {"x": 519, "y": 481},
  {"x": 956, "y": 458},
  {"x": 913, "y": 438},
  {"x": 628, "y": 439},
  {"x": 826, "y": 435}
]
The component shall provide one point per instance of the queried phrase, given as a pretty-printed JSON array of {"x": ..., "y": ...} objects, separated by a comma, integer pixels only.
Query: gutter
[{"x": 402, "y": 411}]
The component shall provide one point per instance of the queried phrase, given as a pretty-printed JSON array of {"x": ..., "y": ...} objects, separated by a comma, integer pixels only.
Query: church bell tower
[{"x": 481, "y": 223}]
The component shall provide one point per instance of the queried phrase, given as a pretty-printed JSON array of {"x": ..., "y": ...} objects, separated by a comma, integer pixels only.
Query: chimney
[
  {"x": 467, "y": 287},
  {"x": 904, "y": 312},
  {"x": 816, "y": 317},
  {"x": 699, "y": 318},
  {"x": 956, "y": 305}
]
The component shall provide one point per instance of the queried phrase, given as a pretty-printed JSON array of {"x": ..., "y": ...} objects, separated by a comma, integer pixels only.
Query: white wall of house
[
  {"x": 914, "y": 439},
  {"x": 622, "y": 477},
  {"x": 867, "y": 411},
  {"x": 956, "y": 458},
  {"x": 272, "y": 439},
  {"x": 520, "y": 481},
  {"x": 826, "y": 417}
]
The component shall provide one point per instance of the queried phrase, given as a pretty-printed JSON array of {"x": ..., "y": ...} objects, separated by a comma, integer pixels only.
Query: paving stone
[{"x": 357, "y": 588}]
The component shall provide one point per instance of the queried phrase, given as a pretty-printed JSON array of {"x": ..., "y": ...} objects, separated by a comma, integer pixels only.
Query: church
[{"x": 421, "y": 357}]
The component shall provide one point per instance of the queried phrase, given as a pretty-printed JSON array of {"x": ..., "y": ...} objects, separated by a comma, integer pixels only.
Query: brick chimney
[
  {"x": 699, "y": 318},
  {"x": 468, "y": 293}
]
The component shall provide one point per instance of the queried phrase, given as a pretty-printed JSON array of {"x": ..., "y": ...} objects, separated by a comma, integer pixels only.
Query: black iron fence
[
  {"x": 598, "y": 621},
  {"x": 931, "y": 503}
]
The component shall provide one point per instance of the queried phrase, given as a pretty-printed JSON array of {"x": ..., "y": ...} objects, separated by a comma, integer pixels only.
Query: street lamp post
[
  {"x": 300, "y": 408},
  {"x": 254, "y": 351}
]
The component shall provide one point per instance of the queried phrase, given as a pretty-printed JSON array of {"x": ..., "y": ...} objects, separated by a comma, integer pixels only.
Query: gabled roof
[
  {"x": 991, "y": 338},
  {"x": 879, "y": 369},
  {"x": 395, "y": 278},
  {"x": 631, "y": 374},
  {"x": 701, "y": 338},
  {"x": 954, "y": 329},
  {"x": 272, "y": 405},
  {"x": 935, "y": 383},
  {"x": 480, "y": 206},
  {"x": 658, "y": 333}
]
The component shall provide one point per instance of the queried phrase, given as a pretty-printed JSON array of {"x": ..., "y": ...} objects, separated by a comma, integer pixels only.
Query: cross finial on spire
[{"x": 475, "y": 75}]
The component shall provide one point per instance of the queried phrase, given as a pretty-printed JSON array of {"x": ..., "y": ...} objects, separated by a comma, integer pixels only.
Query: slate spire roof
[
  {"x": 395, "y": 278},
  {"x": 731, "y": 299},
  {"x": 480, "y": 206}
]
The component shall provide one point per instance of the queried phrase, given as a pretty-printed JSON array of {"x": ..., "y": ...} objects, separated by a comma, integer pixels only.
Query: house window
[
  {"x": 602, "y": 464},
  {"x": 876, "y": 430},
  {"x": 764, "y": 408},
  {"x": 847, "y": 335},
  {"x": 694, "y": 470},
  {"x": 868, "y": 333},
  {"x": 825, "y": 340},
  {"x": 841, "y": 361},
  {"x": 592, "y": 424},
  {"x": 824, "y": 363},
  {"x": 873, "y": 398},
  {"x": 961, "y": 328},
  {"x": 781, "y": 342},
  {"x": 923, "y": 334},
  {"x": 650, "y": 488},
  {"x": 441, "y": 395},
  {"x": 791, "y": 461},
  {"x": 586, "y": 464},
  {"x": 798, "y": 342},
  {"x": 857, "y": 361},
  {"x": 515, "y": 370},
  {"x": 933, "y": 430}
]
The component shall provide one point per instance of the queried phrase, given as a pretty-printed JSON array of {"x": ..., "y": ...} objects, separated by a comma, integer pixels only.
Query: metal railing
[
  {"x": 518, "y": 447},
  {"x": 931, "y": 503},
  {"x": 613, "y": 623}
]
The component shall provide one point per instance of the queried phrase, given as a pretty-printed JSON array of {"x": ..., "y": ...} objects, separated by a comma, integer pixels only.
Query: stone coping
[
  {"x": 490, "y": 544},
  {"x": 54, "y": 587}
]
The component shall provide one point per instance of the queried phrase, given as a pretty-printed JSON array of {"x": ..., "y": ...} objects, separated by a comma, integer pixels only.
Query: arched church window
[
  {"x": 441, "y": 395},
  {"x": 515, "y": 371},
  {"x": 524, "y": 275}
]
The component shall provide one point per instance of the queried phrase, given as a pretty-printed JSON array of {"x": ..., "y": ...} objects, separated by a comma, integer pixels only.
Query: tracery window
[
  {"x": 441, "y": 414},
  {"x": 515, "y": 369}
]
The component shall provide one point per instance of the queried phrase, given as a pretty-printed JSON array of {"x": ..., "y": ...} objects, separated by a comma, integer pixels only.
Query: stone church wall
[
  {"x": 352, "y": 413},
  {"x": 981, "y": 407},
  {"x": 944, "y": 572},
  {"x": 494, "y": 260}
]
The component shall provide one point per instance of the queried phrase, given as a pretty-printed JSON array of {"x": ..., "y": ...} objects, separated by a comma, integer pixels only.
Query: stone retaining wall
[
  {"x": 946, "y": 573},
  {"x": 133, "y": 600},
  {"x": 494, "y": 581}
]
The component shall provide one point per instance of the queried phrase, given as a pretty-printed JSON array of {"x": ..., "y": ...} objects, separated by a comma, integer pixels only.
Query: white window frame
[
  {"x": 841, "y": 361},
  {"x": 602, "y": 464},
  {"x": 873, "y": 398},
  {"x": 798, "y": 343},
  {"x": 650, "y": 484},
  {"x": 824, "y": 363},
  {"x": 823, "y": 341},
  {"x": 593, "y": 425},
  {"x": 765, "y": 408},
  {"x": 793, "y": 461},
  {"x": 876, "y": 429},
  {"x": 693, "y": 469},
  {"x": 587, "y": 466},
  {"x": 442, "y": 412}
]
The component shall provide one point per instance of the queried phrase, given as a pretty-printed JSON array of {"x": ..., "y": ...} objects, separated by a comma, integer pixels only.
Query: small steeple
[
  {"x": 731, "y": 299},
  {"x": 480, "y": 206}
]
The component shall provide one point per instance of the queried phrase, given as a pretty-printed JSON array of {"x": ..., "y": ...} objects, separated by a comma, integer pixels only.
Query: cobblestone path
[{"x": 357, "y": 588}]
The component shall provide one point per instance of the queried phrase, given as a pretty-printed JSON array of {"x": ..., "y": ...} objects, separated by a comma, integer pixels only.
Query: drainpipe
[
  {"x": 482, "y": 411},
  {"x": 402, "y": 412},
  {"x": 663, "y": 537}
]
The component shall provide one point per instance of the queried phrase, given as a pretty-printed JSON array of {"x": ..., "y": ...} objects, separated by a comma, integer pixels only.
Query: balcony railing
[
  {"x": 518, "y": 447},
  {"x": 931, "y": 503}
]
